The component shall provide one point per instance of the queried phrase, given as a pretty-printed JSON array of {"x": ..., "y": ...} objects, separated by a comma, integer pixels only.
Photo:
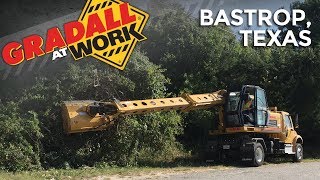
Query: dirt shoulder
[{"x": 308, "y": 169}]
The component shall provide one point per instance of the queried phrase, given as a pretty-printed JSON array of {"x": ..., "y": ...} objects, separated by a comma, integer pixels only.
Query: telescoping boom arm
[{"x": 83, "y": 116}]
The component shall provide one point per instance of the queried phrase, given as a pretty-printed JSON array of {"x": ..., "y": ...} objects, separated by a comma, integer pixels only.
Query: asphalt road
[{"x": 285, "y": 171}]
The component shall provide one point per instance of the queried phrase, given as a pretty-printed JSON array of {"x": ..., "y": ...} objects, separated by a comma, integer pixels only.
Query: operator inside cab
[
  {"x": 248, "y": 108},
  {"x": 248, "y": 104}
]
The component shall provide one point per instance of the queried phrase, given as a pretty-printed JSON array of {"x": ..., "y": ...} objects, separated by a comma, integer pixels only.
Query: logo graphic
[
  {"x": 113, "y": 30},
  {"x": 107, "y": 30}
]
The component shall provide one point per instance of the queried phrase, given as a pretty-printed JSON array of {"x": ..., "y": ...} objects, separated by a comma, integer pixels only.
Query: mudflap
[{"x": 246, "y": 152}]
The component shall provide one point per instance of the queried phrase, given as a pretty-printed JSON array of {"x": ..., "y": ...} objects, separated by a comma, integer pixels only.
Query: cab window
[
  {"x": 287, "y": 121},
  {"x": 261, "y": 99},
  {"x": 262, "y": 113}
]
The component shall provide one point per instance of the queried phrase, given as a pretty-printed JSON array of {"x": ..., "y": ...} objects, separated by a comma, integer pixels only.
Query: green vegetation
[
  {"x": 20, "y": 139},
  {"x": 179, "y": 56}
]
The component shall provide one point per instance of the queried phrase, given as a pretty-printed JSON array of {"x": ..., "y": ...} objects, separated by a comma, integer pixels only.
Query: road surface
[{"x": 285, "y": 171}]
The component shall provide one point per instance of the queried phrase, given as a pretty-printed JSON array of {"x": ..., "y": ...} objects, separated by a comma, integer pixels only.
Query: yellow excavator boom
[{"x": 83, "y": 116}]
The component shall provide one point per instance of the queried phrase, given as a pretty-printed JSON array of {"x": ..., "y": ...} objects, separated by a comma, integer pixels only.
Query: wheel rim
[
  {"x": 259, "y": 155},
  {"x": 299, "y": 152}
]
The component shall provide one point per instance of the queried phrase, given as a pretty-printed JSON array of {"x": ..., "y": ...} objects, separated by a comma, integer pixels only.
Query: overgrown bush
[
  {"x": 123, "y": 143},
  {"x": 20, "y": 139}
]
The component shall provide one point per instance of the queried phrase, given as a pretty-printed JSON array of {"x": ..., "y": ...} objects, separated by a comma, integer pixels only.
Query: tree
[{"x": 311, "y": 9}]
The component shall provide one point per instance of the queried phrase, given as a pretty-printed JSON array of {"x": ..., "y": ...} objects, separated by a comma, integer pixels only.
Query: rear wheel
[
  {"x": 298, "y": 156},
  {"x": 258, "y": 155}
]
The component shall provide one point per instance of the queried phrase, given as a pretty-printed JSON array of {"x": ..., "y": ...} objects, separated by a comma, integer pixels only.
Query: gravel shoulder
[{"x": 304, "y": 170}]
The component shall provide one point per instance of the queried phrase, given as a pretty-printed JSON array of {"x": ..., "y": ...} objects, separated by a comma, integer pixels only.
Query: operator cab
[{"x": 247, "y": 108}]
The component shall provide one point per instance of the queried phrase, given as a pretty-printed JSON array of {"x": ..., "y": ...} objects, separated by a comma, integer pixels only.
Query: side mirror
[{"x": 296, "y": 121}]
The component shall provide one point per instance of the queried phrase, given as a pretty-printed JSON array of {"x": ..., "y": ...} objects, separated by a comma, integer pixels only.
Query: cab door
[
  {"x": 288, "y": 128},
  {"x": 262, "y": 108}
]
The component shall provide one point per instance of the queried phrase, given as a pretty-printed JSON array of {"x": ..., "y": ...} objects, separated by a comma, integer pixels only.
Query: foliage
[
  {"x": 311, "y": 8},
  {"x": 121, "y": 144},
  {"x": 20, "y": 139}
]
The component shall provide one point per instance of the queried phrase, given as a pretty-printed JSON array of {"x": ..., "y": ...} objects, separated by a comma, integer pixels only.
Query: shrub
[{"x": 20, "y": 139}]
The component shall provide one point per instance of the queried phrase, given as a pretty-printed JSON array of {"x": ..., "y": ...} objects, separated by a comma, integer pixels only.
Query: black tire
[
  {"x": 298, "y": 156},
  {"x": 258, "y": 155}
]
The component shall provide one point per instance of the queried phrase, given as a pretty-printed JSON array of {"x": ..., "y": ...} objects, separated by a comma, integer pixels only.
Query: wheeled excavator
[{"x": 247, "y": 129}]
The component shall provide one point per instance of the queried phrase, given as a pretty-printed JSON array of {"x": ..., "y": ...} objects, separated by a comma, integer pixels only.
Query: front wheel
[
  {"x": 298, "y": 156},
  {"x": 258, "y": 155}
]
